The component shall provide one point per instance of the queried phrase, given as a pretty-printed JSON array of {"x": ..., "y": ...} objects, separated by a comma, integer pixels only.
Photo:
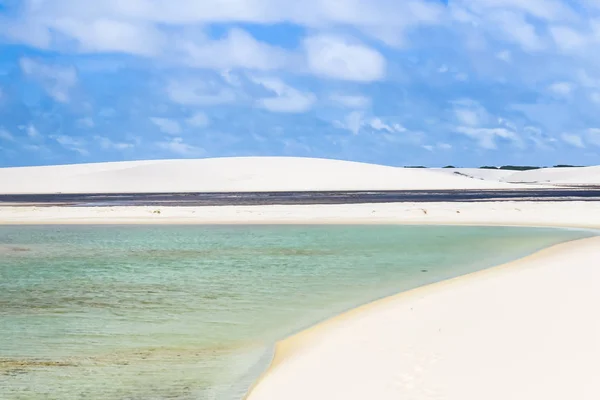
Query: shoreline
[
  {"x": 531, "y": 214},
  {"x": 286, "y": 349}
]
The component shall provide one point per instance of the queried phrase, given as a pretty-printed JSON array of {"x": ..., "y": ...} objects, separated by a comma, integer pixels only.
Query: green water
[{"x": 190, "y": 312}]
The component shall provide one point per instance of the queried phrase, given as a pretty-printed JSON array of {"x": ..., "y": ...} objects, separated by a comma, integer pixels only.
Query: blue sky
[{"x": 411, "y": 82}]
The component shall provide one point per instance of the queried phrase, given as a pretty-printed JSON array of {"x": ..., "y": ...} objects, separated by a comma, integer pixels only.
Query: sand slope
[
  {"x": 478, "y": 173},
  {"x": 241, "y": 174},
  {"x": 568, "y": 176},
  {"x": 576, "y": 176},
  {"x": 528, "y": 330}
]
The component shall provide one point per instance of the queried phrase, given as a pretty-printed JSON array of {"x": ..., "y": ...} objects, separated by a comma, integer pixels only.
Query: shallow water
[{"x": 192, "y": 312}]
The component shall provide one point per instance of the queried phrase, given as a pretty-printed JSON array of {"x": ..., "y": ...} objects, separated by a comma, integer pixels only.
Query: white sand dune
[
  {"x": 574, "y": 176},
  {"x": 528, "y": 330},
  {"x": 236, "y": 174},
  {"x": 581, "y": 176},
  {"x": 248, "y": 174}
]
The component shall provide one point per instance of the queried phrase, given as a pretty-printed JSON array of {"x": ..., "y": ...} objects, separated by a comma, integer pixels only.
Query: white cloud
[
  {"x": 568, "y": 39},
  {"x": 231, "y": 78},
  {"x": 538, "y": 138},
  {"x": 393, "y": 16},
  {"x": 6, "y": 135},
  {"x": 350, "y": 101},
  {"x": 352, "y": 122},
  {"x": 237, "y": 50},
  {"x": 201, "y": 93},
  {"x": 161, "y": 28},
  {"x": 379, "y": 125},
  {"x": 75, "y": 144},
  {"x": 573, "y": 140},
  {"x": 524, "y": 23},
  {"x": 595, "y": 97},
  {"x": 470, "y": 112},
  {"x": 486, "y": 137},
  {"x": 86, "y": 122},
  {"x": 178, "y": 146},
  {"x": 515, "y": 28},
  {"x": 179, "y": 33},
  {"x": 167, "y": 125},
  {"x": 355, "y": 121},
  {"x": 458, "y": 12},
  {"x": 287, "y": 99},
  {"x": 550, "y": 10},
  {"x": 507, "y": 124},
  {"x": 32, "y": 132},
  {"x": 504, "y": 55},
  {"x": 561, "y": 88},
  {"x": 338, "y": 58},
  {"x": 587, "y": 81},
  {"x": 198, "y": 120},
  {"x": 28, "y": 30},
  {"x": 107, "y": 144},
  {"x": 467, "y": 117},
  {"x": 592, "y": 136},
  {"x": 58, "y": 81},
  {"x": 35, "y": 147},
  {"x": 109, "y": 35}
]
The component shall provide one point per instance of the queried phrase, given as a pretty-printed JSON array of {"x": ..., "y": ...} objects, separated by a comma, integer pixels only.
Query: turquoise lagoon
[{"x": 193, "y": 312}]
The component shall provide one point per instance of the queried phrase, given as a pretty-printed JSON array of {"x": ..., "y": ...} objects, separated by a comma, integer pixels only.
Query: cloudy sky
[{"x": 398, "y": 82}]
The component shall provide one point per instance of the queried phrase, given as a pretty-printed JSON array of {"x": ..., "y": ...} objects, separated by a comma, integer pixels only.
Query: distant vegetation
[
  {"x": 519, "y": 167},
  {"x": 505, "y": 167},
  {"x": 512, "y": 167},
  {"x": 527, "y": 167}
]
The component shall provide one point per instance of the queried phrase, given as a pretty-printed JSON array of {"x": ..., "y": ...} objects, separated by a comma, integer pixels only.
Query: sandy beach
[
  {"x": 526, "y": 330},
  {"x": 523, "y": 213}
]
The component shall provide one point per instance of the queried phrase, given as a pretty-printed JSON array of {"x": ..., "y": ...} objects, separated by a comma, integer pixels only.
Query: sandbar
[{"x": 523, "y": 213}]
